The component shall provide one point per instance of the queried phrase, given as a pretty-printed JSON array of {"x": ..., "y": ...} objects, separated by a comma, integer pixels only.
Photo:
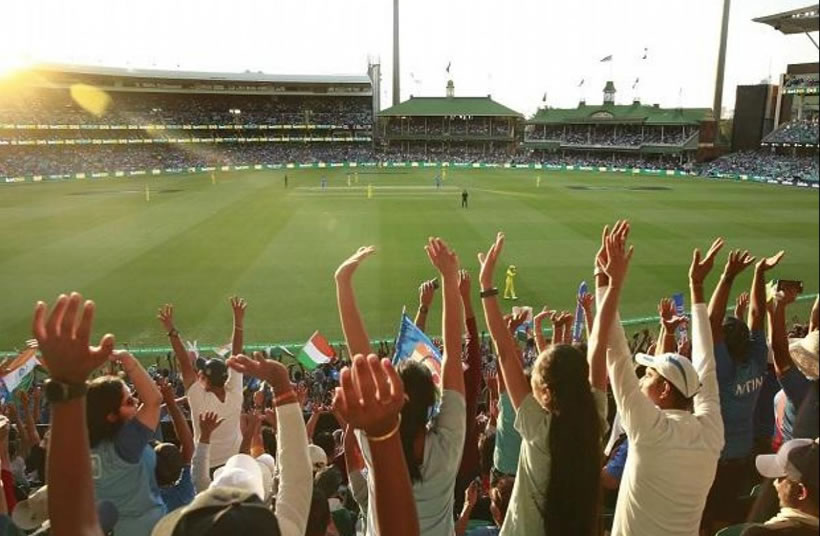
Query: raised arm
[
  {"x": 183, "y": 431},
  {"x": 352, "y": 323},
  {"x": 238, "y": 306},
  {"x": 510, "y": 364},
  {"x": 208, "y": 422},
  {"x": 587, "y": 303},
  {"x": 186, "y": 367},
  {"x": 370, "y": 398},
  {"x": 446, "y": 261},
  {"x": 63, "y": 339},
  {"x": 757, "y": 311},
  {"x": 149, "y": 395},
  {"x": 427, "y": 291},
  {"x": 742, "y": 306},
  {"x": 670, "y": 322},
  {"x": 779, "y": 333},
  {"x": 538, "y": 329},
  {"x": 295, "y": 482},
  {"x": 735, "y": 264}
]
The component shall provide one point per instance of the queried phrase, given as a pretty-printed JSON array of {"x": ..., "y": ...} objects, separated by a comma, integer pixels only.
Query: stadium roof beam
[{"x": 796, "y": 21}]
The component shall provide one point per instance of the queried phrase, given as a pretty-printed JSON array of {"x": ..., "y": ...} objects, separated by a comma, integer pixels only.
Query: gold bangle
[
  {"x": 284, "y": 396},
  {"x": 388, "y": 435}
]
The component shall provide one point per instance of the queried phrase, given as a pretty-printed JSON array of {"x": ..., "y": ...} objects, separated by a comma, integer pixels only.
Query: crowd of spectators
[
  {"x": 58, "y": 107},
  {"x": 571, "y": 431},
  {"x": 611, "y": 136},
  {"x": 802, "y": 131},
  {"x": 478, "y": 127},
  {"x": 802, "y": 82},
  {"x": 766, "y": 164}
]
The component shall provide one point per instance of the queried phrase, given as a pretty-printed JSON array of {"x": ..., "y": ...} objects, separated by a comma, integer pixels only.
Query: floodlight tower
[
  {"x": 396, "y": 82},
  {"x": 721, "y": 65}
]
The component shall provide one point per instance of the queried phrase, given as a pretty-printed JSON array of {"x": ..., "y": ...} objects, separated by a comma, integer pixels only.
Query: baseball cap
[
  {"x": 804, "y": 353},
  {"x": 214, "y": 369},
  {"x": 318, "y": 458},
  {"x": 241, "y": 472},
  {"x": 32, "y": 513},
  {"x": 796, "y": 460},
  {"x": 676, "y": 369},
  {"x": 220, "y": 511}
]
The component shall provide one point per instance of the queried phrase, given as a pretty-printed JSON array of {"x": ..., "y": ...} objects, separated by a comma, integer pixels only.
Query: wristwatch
[
  {"x": 487, "y": 293},
  {"x": 57, "y": 391}
]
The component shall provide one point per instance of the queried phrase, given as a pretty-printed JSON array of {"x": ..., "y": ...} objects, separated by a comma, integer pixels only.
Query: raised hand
[
  {"x": 238, "y": 306},
  {"x": 767, "y": 263},
  {"x": 514, "y": 321},
  {"x": 268, "y": 370},
  {"x": 742, "y": 305},
  {"x": 471, "y": 494},
  {"x": 545, "y": 313},
  {"x": 488, "y": 261},
  {"x": 671, "y": 321},
  {"x": 166, "y": 390},
  {"x": 701, "y": 266},
  {"x": 442, "y": 257},
  {"x": 63, "y": 339},
  {"x": 617, "y": 255},
  {"x": 349, "y": 266},
  {"x": 208, "y": 422},
  {"x": 737, "y": 262},
  {"x": 166, "y": 316},
  {"x": 370, "y": 396},
  {"x": 464, "y": 284},
  {"x": 586, "y": 301},
  {"x": 601, "y": 258},
  {"x": 426, "y": 292}
]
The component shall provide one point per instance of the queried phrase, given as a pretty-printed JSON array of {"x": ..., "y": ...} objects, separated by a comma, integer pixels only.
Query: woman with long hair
[
  {"x": 559, "y": 414},
  {"x": 119, "y": 430}
]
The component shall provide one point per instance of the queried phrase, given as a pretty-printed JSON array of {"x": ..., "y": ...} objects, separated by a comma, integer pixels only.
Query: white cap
[
  {"x": 243, "y": 472},
  {"x": 804, "y": 353},
  {"x": 318, "y": 458},
  {"x": 33, "y": 512},
  {"x": 779, "y": 465},
  {"x": 676, "y": 369}
]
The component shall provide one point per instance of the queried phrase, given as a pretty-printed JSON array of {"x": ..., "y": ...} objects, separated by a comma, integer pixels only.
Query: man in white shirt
[{"x": 673, "y": 423}]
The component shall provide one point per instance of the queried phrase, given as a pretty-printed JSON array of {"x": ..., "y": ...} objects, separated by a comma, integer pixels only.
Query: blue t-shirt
[
  {"x": 764, "y": 409},
  {"x": 795, "y": 387},
  {"x": 507, "y": 438},
  {"x": 616, "y": 464},
  {"x": 484, "y": 531},
  {"x": 739, "y": 385},
  {"x": 180, "y": 494}
]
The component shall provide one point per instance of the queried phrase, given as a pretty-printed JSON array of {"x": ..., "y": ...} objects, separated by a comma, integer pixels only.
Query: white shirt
[
  {"x": 227, "y": 438},
  {"x": 673, "y": 454}
]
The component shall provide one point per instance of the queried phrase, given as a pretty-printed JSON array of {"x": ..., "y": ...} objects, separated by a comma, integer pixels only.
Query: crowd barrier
[{"x": 390, "y": 165}]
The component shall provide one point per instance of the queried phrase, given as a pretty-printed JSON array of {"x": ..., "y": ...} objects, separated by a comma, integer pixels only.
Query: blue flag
[
  {"x": 412, "y": 343},
  {"x": 578, "y": 328},
  {"x": 680, "y": 311}
]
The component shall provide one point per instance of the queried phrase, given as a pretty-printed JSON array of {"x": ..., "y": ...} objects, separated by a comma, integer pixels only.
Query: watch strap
[
  {"x": 57, "y": 391},
  {"x": 487, "y": 293}
]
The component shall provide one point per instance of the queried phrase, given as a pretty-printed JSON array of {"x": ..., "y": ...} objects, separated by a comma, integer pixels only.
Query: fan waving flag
[
  {"x": 17, "y": 371},
  {"x": 317, "y": 351},
  {"x": 578, "y": 326},
  {"x": 413, "y": 344}
]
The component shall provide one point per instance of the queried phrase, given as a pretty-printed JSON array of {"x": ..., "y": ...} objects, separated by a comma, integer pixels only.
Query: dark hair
[
  {"x": 486, "y": 449},
  {"x": 327, "y": 443},
  {"x": 169, "y": 464},
  {"x": 736, "y": 335},
  {"x": 328, "y": 481},
  {"x": 104, "y": 398},
  {"x": 501, "y": 493},
  {"x": 573, "y": 494},
  {"x": 319, "y": 515},
  {"x": 421, "y": 396},
  {"x": 269, "y": 440}
]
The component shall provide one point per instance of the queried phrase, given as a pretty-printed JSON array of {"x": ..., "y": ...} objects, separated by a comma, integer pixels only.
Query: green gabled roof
[
  {"x": 449, "y": 106},
  {"x": 631, "y": 113}
]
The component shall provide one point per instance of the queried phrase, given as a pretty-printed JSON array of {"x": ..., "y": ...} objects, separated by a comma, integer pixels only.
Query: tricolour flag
[
  {"x": 317, "y": 351},
  {"x": 606, "y": 59},
  {"x": 413, "y": 344},
  {"x": 19, "y": 368},
  {"x": 680, "y": 310},
  {"x": 578, "y": 326}
]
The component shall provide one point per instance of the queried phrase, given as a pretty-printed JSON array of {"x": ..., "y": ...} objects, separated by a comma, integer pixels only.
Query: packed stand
[
  {"x": 611, "y": 136},
  {"x": 805, "y": 132},
  {"x": 765, "y": 164}
]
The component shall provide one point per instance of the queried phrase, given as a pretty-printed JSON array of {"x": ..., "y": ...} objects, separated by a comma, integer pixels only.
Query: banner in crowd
[
  {"x": 18, "y": 372},
  {"x": 578, "y": 327},
  {"x": 317, "y": 351},
  {"x": 680, "y": 310},
  {"x": 412, "y": 343}
]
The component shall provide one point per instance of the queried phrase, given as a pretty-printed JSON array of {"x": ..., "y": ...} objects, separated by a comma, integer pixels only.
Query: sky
[{"x": 515, "y": 50}]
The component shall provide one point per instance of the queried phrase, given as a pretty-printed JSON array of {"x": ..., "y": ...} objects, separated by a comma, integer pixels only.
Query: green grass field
[{"x": 197, "y": 243}]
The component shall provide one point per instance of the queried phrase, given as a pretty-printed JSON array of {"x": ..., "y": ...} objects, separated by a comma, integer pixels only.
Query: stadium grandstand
[
  {"x": 616, "y": 135},
  {"x": 458, "y": 129},
  {"x": 58, "y": 121}
]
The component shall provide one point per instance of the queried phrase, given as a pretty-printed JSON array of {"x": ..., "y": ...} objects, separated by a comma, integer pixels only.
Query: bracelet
[
  {"x": 423, "y": 309},
  {"x": 488, "y": 293},
  {"x": 173, "y": 333},
  {"x": 284, "y": 397},
  {"x": 388, "y": 435}
]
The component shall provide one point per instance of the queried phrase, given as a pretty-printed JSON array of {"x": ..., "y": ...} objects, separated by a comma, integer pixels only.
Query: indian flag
[
  {"x": 16, "y": 372},
  {"x": 317, "y": 351}
]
